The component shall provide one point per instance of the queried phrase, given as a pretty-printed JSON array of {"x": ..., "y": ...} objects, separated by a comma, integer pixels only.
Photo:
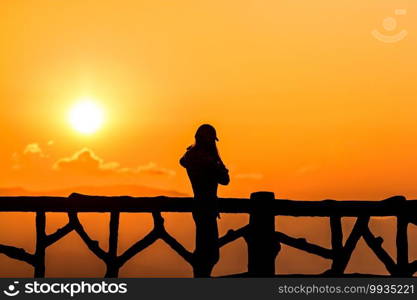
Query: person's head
[
  {"x": 206, "y": 134},
  {"x": 205, "y": 138}
]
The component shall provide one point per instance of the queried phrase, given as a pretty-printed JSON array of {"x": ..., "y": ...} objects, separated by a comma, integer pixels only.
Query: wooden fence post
[
  {"x": 262, "y": 245},
  {"x": 337, "y": 245},
  {"x": 402, "y": 246},
  {"x": 40, "y": 245},
  {"x": 112, "y": 265}
]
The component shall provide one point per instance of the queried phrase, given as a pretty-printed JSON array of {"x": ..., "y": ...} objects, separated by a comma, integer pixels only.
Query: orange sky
[{"x": 307, "y": 103}]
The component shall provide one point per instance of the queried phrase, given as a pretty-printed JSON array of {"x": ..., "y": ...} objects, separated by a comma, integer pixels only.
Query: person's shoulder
[
  {"x": 184, "y": 161},
  {"x": 190, "y": 151}
]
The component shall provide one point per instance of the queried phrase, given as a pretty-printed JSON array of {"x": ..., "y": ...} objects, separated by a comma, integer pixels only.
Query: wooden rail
[{"x": 260, "y": 234}]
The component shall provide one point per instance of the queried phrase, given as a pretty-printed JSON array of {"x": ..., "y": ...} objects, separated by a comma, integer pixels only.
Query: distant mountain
[
  {"x": 110, "y": 190},
  {"x": 13, "y": 191}
]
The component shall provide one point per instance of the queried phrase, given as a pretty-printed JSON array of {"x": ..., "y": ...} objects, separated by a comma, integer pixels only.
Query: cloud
[
  {"x": 34, "y": 159},
  {"x": 86, "y": 161},
  {"x": 32, "y": 156},
  {"x": 149, "y": 168},
  {"x": 253, "y": 176},
  {"x": 33, "y": 148}
]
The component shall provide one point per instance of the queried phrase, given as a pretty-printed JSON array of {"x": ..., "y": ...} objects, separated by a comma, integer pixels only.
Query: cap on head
[{"x": 206, "y": 132}]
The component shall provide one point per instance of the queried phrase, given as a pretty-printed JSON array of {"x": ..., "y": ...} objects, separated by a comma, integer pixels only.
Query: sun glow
[{"x": 86, "y": 116}]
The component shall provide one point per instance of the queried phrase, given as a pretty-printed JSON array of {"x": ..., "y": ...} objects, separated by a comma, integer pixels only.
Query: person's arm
[
  {"x": 222, "y": 174},
  {"x": 185, "y": 159}
]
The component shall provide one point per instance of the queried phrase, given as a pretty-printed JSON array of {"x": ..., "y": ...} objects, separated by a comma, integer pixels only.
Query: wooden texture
[
  {"x": 260, "y": 234},
  {"x": 262, "y": 245},
  {"x": 81, "y": 203}
]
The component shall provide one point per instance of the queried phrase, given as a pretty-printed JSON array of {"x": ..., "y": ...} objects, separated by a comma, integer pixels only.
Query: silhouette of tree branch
[
  {"x": 358, "y": 229},
  {"x": 342, "y": 256},
  {"x": 60, "y": 233},
  {"x": 176, "y": 246},
  {"x": 413, "y": 267},
  {"x": 148, "y": 240},
  {"x": 160, "y": 230},
  {"x": 375, "y": 243},
  {"x": 233, "y": 235},
  {"x": 17, "y": 253},
  {"x": 302, "y": 244},
  {"x": 91, "y": 244}
]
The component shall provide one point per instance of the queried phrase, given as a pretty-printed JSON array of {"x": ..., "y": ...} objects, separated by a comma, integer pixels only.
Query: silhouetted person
[{"x": 205, "y": 170}]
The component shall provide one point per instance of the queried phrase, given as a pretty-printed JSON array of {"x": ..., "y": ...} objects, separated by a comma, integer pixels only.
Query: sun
[{"x": 86, "y": 116}]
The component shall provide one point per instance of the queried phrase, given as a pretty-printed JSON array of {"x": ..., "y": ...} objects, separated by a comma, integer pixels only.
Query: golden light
[{"x": 86, "y": 116}]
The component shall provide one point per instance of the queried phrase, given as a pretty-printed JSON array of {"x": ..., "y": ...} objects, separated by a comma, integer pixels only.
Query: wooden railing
[{"x": 260, "y": 234}]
